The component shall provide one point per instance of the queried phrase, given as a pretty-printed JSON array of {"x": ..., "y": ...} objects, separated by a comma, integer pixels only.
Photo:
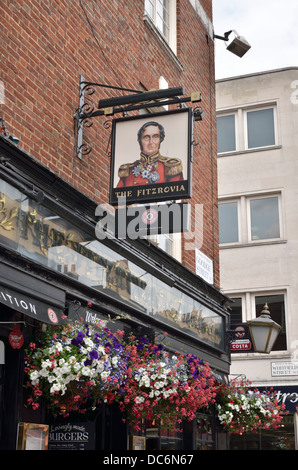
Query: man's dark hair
[{"x": 151, "y": 123}]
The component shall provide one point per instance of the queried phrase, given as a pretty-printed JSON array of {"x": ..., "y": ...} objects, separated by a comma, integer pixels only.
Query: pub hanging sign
[{"x": 151, "y": 157}]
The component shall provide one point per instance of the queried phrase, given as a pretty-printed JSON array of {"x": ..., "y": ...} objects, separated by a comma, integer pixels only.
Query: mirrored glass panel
[{"x": 43, "y": 236}]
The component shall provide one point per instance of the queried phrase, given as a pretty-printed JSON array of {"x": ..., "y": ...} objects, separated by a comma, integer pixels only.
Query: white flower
[
  {"x": 88, "y": 342},
  {"x": 86, "y": 370},
  {"x": 34, "y": 375},
  {"x": 43, "y": 373},
  {"x": 139, "y": 400},
  {"x": 46, "y": 363},
  {"x": 104, "y": 375},
  {"x": 56, "y": 387},
  {"x": 115, "y": 360},
  {"x": 65, "y": 369},
  {"x": 100, "y": 366}
]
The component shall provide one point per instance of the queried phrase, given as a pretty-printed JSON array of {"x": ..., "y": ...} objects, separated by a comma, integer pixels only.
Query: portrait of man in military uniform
[
  {"x": 151, "y": 157},
  {"x": 151, "y": 167}
]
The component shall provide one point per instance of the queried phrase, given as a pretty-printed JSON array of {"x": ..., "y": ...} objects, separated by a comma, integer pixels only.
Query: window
[
  {"x": 162, "y": 13},
  {"x": 276, "y": 306},
  {"x": 226, "y": 136},
  {"x": 264, "y": 218},
  {"x": 260, "y": 128},
  {"x": 228, "y": 222},
  {"x": 246, "y": 129},
  {"x": 204, "y": 439},
  {"x": 249, "y": 219},
  {"x": 250, "y": 305},
  {"x": 170, "y": 243},
  {"x": 236, "y": 311}
]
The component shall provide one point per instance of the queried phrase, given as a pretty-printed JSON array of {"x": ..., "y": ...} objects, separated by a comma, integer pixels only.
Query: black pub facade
[{"x": 52, "y": 266}]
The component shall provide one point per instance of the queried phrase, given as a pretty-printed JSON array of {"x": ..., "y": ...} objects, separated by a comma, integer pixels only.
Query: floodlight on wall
[{"x": 238, "y": 45}]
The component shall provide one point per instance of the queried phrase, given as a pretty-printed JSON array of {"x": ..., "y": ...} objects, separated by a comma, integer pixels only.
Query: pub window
[
  {"x": 204, "y": 434},
  {"x": 162, "y": 13}
]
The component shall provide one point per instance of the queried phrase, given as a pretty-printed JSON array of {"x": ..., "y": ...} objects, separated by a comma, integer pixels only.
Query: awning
[{"x": 31, "y": 296}]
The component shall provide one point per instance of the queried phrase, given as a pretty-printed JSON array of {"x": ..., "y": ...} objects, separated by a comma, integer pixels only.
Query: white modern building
[{"x": 257, "y": 127}]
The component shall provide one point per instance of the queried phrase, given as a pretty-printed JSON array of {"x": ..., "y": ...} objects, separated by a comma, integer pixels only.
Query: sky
[{"x": 270, "y": 27}]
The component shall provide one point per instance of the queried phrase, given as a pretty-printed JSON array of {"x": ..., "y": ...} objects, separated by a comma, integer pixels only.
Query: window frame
[
  {"x": 248, "y": 213},
  {"x": 171, "y": 40},
  {"x": 245, "y": 123},
  {"x": 244, "y": 218},
  {"x": 238, "y": 203},
  {"x": 249, "y": 311},
  {"x": 235, "y": 114},
  {"x": 241, "y": 129}
]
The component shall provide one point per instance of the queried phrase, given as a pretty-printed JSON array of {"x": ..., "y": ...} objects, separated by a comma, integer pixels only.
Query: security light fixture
[{"x": 238, "y": 45}]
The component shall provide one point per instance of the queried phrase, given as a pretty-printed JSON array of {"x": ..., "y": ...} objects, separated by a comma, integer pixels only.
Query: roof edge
[{"x": 237, "y": 77}]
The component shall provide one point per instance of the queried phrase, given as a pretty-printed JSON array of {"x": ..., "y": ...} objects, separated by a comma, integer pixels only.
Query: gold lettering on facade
[{"x": 7, "y": 221}]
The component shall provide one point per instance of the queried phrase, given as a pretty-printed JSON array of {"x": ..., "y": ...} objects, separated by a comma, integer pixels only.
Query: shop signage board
[
  {"x": 16, "y": 338},
  {"x": 151, "y": 157},
  {"x": 32, "y": 436},
  {"x": 241, "y": 341},
  {"x": 30, "y": 306},
  {"x": 285, "y": 394},
  {"x": 204, "y": 266},
  {"x": 137, "y": 221},
  {"x": 279, "y": 369},
  {"x": 72, "y": 436}
]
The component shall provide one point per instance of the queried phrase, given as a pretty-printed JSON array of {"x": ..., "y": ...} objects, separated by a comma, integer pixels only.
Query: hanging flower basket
[
  {"x": 79, "y": 366},
  {"x": 76, "y": 364},
  {"x": 243, "y": 409},
  {"x": 162, "y": 387}
]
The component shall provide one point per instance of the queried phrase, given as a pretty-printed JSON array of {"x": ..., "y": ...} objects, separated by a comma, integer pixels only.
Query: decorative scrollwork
[
  {"x": 107, "y": 124},
  {"x": 85, "y": 148},
  {"x": 88, "y": 122},
  {"x": 87, "y": 108}
]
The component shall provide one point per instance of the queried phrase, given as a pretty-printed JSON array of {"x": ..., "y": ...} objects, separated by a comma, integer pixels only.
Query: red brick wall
[{"x": 44, "y": 48}]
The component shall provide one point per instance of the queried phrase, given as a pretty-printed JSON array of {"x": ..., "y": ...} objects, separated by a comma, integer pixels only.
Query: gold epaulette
[
  {"x": 173, "y": 166},
  {"x": 123, "y": 171}
]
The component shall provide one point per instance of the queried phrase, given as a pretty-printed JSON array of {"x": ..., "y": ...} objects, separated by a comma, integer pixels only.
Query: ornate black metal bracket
[{"x": 136, "y": 100}]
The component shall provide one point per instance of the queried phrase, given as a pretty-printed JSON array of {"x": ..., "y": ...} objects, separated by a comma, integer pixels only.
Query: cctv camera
[{"x": 239, "y": 46}]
